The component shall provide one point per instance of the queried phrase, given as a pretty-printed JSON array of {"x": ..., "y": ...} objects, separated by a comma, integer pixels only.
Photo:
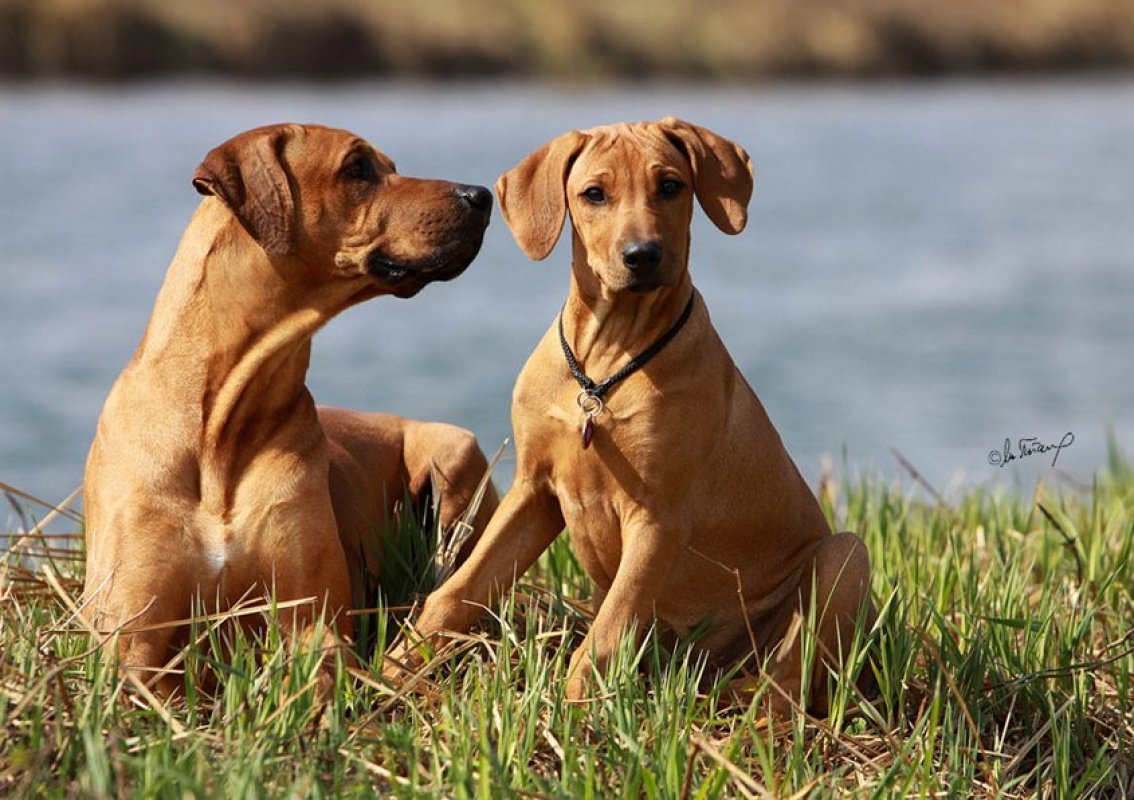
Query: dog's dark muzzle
[
  {"x": 407, "y": 276},
  {"x": 478, "y": 198}
]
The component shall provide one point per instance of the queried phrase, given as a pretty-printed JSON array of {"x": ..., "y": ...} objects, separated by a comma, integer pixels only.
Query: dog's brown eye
[
  {"x": 669, "y": 187},
  {"x": 360, "y": 169},
  {"x": 595, "y": 195}
]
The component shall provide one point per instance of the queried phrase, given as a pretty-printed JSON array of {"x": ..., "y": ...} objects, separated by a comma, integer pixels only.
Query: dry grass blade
[
  {"x": 154, "y": 703},
  {"x": 445, "y": 559},
  {"x": 1026, "y": 748},
  {"x": 914, "y": 473},
  {"x": 1068, "y": 541},
  {"x": 37, "y": 532},
  {"x": 419, "y": 677},
  {"x": 958, "y": 696},
  {"x": 748, "y": 786},
  {"x": 1070, "y": 669},
  {"x": 61, "y": 510},
  {"x": 373, "y": 768}
]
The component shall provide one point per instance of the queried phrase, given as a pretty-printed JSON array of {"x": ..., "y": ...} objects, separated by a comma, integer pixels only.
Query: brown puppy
[
  {"x": 212, "y": 474},
  {"x": 685, "y": 494}
]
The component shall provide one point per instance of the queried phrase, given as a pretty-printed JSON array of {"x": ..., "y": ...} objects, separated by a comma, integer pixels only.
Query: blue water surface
[{"x": 929, "y": 267}]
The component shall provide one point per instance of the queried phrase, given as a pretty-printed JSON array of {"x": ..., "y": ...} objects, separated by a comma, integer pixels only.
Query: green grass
[{"x": 1004, "y": 652}]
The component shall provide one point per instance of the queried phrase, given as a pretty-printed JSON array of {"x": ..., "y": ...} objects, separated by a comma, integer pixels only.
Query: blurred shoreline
[{"x": 574, "y": 40}]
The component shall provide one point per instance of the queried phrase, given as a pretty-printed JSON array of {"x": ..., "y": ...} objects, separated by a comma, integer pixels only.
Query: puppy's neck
[{"x": 604, "y": 328}]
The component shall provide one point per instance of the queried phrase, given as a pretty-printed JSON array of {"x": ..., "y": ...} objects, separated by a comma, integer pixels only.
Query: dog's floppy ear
[
  {"x": 722, "y": 172},
  {"x": 248, "y": 176},
  {"x": 533, "y": 194}
]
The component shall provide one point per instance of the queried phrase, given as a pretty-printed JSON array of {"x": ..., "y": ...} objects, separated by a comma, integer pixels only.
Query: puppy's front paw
[
  {"x": 576, "y": 691},
  {"x": 402, "y": 661},
  {"x": 777, "y": 700}
]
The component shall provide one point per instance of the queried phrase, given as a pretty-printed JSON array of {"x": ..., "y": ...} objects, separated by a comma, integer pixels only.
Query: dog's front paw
[{"x": 578, "y": 677}]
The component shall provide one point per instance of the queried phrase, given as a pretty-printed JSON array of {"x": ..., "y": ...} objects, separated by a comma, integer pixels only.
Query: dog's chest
[{"x": 221, "y": 548}]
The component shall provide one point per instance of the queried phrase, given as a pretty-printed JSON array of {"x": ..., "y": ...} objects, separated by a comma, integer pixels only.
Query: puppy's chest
[
  {"x": 595, "y": 473},
  {"x": 592, "y": 515},
  {"x": 559, "y": 420}
]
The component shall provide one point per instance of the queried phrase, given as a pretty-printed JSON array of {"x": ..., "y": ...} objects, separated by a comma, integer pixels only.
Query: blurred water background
[{"x": 930, "y": 266}]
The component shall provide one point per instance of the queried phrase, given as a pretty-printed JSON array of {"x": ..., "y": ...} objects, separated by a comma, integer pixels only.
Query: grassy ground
[{"x": 1004, "y": 653}]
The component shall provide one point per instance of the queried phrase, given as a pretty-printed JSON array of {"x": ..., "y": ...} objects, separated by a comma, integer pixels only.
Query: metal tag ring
[{"x": 591, "y": 406}]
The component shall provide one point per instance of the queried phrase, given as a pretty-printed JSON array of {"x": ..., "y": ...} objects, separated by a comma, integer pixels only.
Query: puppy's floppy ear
[
  {"x": 722, "y": 172},
  {"x": 248, "y": 176},
  {"x": 533, "y": 194}
]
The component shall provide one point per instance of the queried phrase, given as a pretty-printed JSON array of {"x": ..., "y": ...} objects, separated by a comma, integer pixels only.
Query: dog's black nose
[
  {"x": 476, "y": 196},
  {"x": 642, "y": 256}
]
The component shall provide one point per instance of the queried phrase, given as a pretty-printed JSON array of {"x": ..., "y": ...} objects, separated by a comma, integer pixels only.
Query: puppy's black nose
[
  {"x": 642, "y": 256},
  {"x": 476, "y": 196}
]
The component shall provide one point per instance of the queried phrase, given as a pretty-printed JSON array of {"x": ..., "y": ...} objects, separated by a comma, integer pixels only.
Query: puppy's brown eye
[
  {"x": 360, "y": 169},
  {"x": 595, "y": 195},
  {"x": 669, "y": 187}
]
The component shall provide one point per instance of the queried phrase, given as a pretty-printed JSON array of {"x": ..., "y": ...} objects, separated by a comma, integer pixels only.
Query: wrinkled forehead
[
  {"x": 629, "y": 149},
  {"x": 334, "y": 146}
]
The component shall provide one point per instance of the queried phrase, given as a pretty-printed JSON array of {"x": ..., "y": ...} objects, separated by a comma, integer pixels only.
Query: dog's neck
[
  {"x": 604, "y": 328},
  {"x": 226, "y": 324}
]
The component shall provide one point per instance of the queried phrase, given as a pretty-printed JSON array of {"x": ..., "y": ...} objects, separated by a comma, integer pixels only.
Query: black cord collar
[{"x": 590, "y": 398}]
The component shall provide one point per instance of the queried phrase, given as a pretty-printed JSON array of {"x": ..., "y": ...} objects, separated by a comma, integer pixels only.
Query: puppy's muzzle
[{"x": 643, "y": 259}]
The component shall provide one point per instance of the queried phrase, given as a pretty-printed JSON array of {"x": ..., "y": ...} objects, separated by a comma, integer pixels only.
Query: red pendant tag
[
  {"x": 588, "y": 432},
  {"x": 591, "y": 406}
]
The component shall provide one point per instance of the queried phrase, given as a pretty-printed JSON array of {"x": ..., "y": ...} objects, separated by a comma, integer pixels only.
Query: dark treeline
[{"x": 560, "y": 39}]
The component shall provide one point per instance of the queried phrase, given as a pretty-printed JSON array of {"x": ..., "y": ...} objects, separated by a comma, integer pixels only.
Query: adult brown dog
[
  {"x": 685, "y": 507},
  {"x": 212, "y": 474}
]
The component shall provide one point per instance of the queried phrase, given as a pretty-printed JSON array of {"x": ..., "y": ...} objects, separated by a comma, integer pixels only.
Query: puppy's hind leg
[{"x": 837, "y": 577}]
